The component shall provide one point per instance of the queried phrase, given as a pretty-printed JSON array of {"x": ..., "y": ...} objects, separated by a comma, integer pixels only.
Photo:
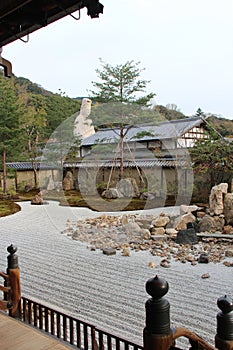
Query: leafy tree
[
  {"x": 10, "y": 145},
  {"x": 121, "y": 83},
  {"x": 120, "y": 118},
  {"x": 213, "y": 158},
  {"x": 32, "y": 124},
  {"x": 119, "y": 90}
]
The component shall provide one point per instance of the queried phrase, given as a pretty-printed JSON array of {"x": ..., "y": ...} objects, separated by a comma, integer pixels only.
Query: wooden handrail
[{"x": 184, "y": 332}]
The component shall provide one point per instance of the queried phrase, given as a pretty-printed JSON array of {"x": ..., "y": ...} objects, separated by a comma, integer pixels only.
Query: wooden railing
[
  {"x": 157, "y": 334},
  {"x": 70, "y": 329}
]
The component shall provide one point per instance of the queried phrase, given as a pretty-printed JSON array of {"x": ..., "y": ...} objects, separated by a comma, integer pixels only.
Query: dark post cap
[
  {"x": 225, "y": 304},
  {"x": 225, "y": 318},
  {"x": 12, "y": 257},
  {"x": 157, "y": 287},
  {"x": 12, "y": 249}
]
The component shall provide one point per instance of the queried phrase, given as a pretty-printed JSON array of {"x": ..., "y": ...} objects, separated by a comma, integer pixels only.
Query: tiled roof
[
  {"x": 161, "y": 131},
  {"x": 28, "y": 166},
  {"x": 145, "y": 163}
]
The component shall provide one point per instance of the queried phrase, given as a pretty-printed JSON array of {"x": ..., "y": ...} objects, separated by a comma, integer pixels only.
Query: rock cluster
[
  {"x": 158, "y": 234},
  {"x": 125, "y": 188}
]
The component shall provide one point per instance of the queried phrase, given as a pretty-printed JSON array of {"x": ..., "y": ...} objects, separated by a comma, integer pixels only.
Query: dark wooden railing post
[
  {"x": 13, "y": 281},
  {"x": 157, "y": 334},
  {"x": 224, "y": 336}
]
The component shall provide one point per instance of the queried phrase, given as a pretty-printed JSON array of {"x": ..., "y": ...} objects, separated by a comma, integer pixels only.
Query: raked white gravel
[{"x": 108, "y": 291}]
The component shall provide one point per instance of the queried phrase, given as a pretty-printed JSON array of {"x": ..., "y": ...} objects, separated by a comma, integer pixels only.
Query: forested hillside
[{"x": 28, "y": 116}]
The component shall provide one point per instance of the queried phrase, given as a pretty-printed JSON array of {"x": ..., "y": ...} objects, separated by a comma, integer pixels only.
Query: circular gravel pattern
[{"x": 108, "y": 291}]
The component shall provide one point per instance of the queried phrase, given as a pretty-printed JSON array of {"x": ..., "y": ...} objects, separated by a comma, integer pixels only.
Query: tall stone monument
[{"x": 83, "y": 125}]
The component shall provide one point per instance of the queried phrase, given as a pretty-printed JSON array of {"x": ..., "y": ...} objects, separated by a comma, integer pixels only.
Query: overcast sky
[{"x": 185, "y": 46}]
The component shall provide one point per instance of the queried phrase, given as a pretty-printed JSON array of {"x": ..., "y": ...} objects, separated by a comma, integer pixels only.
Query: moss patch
[{"x": 8, "y": 208}]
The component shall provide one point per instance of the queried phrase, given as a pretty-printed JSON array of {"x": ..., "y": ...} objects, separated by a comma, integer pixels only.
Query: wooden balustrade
[
  {"x": 70, "y": 329},
  {"x": 157, "y": 334}
]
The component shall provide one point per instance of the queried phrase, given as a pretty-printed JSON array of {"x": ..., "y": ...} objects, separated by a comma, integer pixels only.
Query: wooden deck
[{"x": 15, "y": 335}]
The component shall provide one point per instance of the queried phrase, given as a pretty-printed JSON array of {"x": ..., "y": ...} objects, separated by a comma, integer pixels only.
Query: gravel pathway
[{"x": 107, "y": 291}]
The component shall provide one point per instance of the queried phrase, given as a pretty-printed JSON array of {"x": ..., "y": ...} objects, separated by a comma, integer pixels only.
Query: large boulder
[
  {"x": 188, "y": 236},
  {"x": 228, "y": 208},
  {"x": 128, "y": 188},
  {"x": 211, "y": 224},
  {"x": 216, "y": 198},
  {"x": 111, "y": 193},
  {"x": 68, "y": 182},
  {"x": 38, "y": 200},
  {"x": 182, "y": 221}
]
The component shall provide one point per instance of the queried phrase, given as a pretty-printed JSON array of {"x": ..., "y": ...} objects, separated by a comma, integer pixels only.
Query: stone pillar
[{"x": 157, "y": 334}]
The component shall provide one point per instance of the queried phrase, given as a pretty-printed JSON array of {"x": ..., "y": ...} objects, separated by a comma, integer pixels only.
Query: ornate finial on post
[
  {"x": 157, "y": 333},
  {"x": 13, "y": 282},
  {"x": 12, "y": 257},
  {"x": 224, "y": 336}
]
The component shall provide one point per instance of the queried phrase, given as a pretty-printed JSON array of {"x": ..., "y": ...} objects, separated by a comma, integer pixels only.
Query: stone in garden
[
  {"x": 216, "y": 198},
  {"x": 187, "y": 236},
  {"x": 211, "y": 223},
  {"x": 227, "y": 230},
  {"x": 171, "y": 231},
  {"x": 111, "y": 193},
  {"x": 157, "y": 231},
  {"x": 124, "y": 219},
  {"x": 228, "y": 208},
  {"x": 229, "y": 253},
  {"x": 152, "y": 264},
  {"x": 109, "y": 251},
  {"x": 205, "y": 275},
  {"x": 147, "y": 196},
  {"x": 200, "y": 214},
  {"x": 193, "y": 225},
  {"x": 161, "y": 221},
  {"x": 128, "y": 188},
  {"x": 132, "y": 227},
  {"x": 203, "y": 258},
  {"x": 182, "y": 221},
  {"x": 165, "y": 263},
  {"x": 145, "y": 233},
  {"x": 184, "y": 209},
  {"x": 125, "y": 252},
  {"x": 38, "y": 200},
  {"x": 68, "y": 181}
]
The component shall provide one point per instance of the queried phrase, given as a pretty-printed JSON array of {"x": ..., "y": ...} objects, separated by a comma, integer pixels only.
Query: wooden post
[
  {"x": 157, "y": 334},
  {"x": 224, "y": 336},
  {"x": 6, "y": 65},
  {"x": 13, "y": 281}
]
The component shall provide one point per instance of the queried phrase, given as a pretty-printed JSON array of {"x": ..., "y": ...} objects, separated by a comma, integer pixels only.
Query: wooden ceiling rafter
[{"x": 20, "y": 18}]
